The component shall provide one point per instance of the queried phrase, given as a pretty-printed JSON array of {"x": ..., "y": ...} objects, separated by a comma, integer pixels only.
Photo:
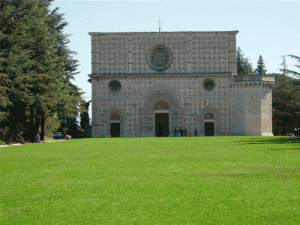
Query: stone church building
[{"x": 147, "y": 84}]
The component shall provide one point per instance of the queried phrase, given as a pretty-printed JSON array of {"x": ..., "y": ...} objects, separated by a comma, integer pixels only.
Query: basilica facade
[{"x": 147, "y": 84}]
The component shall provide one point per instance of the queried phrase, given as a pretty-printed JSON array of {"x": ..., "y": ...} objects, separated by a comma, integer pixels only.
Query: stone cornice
[
  {"x": 160, "y": 75},
  {"x": 159, "y": 33}
]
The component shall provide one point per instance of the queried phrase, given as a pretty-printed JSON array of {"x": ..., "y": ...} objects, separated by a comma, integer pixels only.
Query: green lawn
[{"x": 201, "y": 180}]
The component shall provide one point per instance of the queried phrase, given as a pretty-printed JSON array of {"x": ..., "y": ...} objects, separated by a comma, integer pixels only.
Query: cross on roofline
[{"x": 159, "y": 23}]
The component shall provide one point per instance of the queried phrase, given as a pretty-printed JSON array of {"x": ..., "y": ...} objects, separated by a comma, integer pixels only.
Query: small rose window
[
  {"x": 114, "y": 86},
  {"x": 209, "y": 84}
]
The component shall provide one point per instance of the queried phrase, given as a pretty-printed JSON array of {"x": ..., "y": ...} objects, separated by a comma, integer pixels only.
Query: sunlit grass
[{"x": 212, "y": 180}]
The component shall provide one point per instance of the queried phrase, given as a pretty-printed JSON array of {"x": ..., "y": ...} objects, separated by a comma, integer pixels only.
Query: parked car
[{"x": 58, "y": 135}]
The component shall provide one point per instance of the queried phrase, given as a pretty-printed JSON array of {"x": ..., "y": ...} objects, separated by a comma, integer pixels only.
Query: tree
[
  {"x": 293, "y": 72},
  {"x": 286, "y": 104},
  {"x": 284, "y": 66},
  {"x": 36, "y": 67},
  {"x": 260, "y": 70},
  {"x": 85, "y": 121},
  {"x": 244, "y": 67}
]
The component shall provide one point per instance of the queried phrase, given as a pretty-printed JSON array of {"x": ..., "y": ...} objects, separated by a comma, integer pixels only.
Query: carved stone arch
[
  {"x": 107, "y": 120},
  {"x": 160, "y": 99},
  {"x": 215, "y": 112},
  {"x": 161, "y": 95},
  {"x": 114, "y": 110}
]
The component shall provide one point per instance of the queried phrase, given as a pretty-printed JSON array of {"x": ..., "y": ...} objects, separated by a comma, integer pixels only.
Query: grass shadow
[{"x": 272, "y": 140}]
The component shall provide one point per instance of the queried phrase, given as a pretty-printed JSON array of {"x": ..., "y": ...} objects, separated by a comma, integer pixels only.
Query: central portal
[
  {"x": 115, "y": 129},
  {"x": 162, "y": 124},
  {"x": 209, "y": 128}
]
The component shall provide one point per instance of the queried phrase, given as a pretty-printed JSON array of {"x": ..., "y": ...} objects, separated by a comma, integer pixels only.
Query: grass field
[{"x": 211, "y": 180}]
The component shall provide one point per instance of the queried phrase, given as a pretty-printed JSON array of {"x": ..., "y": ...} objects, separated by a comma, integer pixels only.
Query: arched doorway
[
  {"x": 161, "y": 119},
  {"x": 161, "y": 113},
  {"x": 115, "y": 125},
  {"x": 209, "y": 124}
]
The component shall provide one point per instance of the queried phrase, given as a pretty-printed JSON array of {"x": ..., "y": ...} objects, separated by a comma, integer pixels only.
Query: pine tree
[{"x": 260, "y": 70}]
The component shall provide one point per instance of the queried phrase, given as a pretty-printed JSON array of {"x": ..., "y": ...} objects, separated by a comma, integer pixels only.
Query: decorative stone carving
[
  {"x": 160, "y": 58},
  {"x": 188, "y": 75}
]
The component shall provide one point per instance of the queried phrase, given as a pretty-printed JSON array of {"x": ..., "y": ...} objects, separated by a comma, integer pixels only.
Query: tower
[{"x": 252, "y": 105}]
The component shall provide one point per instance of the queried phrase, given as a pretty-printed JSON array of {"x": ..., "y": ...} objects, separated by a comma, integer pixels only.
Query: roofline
[{"x": 164, "y": 32}]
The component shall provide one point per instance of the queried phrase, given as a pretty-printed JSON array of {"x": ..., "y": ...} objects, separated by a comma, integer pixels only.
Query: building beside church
[{"x": 147, "y": 84}]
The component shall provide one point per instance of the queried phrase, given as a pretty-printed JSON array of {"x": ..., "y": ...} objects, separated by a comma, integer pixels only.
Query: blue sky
[{"x": 267, "y": 28}]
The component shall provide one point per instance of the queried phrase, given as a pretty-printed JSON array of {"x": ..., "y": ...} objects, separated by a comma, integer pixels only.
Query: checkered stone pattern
[
  {"x": 109, "y": 54},
  {"x": 130, "y": 98},
  {"x": 240, "y": 105},
  {"x": 194, "y": 52},
  {"x": 210, "y": 53}
]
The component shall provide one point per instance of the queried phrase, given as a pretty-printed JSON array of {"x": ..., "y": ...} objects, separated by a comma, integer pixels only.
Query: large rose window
[{"x": 160, "y": 58}]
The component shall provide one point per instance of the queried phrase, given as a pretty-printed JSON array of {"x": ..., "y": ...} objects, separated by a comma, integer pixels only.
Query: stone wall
[
  {"x": 192, "y": 73},
  {"x": 191, "y": 52},
  {"x": 193, "y": 102}
]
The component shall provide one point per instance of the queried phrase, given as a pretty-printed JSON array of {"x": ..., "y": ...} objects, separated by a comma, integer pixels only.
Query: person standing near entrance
[{"x": 175, "y": 132}]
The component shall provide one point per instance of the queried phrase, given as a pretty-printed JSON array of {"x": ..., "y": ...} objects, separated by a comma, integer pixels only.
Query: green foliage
[
  {"x": 284, "y": 68},
  {"x": 286, "y": 94},
  {"x": 244, "y": 67},
  {"x": 35, "y": 66},
  {"x": 286, "y": 105},
  {"x": 261, "y": 68},
  {"x": 194, "y": 180},
  {"x": 51, "y": 125},
  {"x": 69, "y": 126},
  {"x": 293, "y": 72}
]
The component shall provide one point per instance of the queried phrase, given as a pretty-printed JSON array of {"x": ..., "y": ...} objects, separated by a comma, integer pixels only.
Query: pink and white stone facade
[{"x": 188, "y": 77}]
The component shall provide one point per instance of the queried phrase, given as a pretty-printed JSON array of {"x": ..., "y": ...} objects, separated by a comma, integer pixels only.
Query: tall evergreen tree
[
  {"x": 36, "y": 66},
  {"x": 261, "y": 68}
]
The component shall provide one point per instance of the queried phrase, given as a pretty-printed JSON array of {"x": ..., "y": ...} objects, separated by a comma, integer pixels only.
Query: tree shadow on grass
[{"x": 272, "y": 140}]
